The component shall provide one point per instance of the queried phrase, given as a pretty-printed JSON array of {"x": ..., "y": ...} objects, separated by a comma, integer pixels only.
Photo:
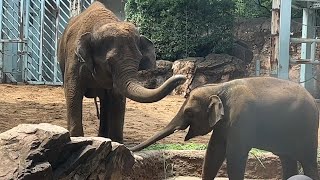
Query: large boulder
[
  {"x": 242, "y": 51},
  {"x": 153, "y": 78},
  {"x": 45, "y": 151},
  {"x": 213, "y": 68}
]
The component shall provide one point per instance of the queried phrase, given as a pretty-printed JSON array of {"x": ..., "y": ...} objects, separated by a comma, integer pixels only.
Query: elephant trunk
[
  {"x": 176, "y": 124},
  {"x": 126, "y": 80}
]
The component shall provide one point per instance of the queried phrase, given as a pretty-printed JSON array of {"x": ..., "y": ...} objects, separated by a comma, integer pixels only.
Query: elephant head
[
  {"x": 116, "y": 51},
  {"x": 201, "y": 111}
]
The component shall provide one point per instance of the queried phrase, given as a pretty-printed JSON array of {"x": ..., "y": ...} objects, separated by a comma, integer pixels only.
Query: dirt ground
[{"x": 38, "y": 104}]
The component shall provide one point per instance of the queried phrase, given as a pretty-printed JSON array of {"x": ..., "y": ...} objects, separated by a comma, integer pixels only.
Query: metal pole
[
  {"x": 284, "y": 39},
  {"x": 42, "y": 14},
  {"x": 55, "y": 70},
  {"x": 1, "y": 44},
  {"x": 257, "y": 67},
  {"x": 26, "y": 36},
  {"x": 307, "y": 49},
  {"x": 21, "y": 37}
]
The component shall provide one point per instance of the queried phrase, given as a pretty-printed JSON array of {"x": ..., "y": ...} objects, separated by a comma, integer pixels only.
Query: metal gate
[
  {"x": 29, "y": 33},
  {"x": 29, "y": 37}
]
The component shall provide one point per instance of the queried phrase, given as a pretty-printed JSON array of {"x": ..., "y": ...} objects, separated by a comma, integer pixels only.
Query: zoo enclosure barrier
[{"x": 30, "y": 30}]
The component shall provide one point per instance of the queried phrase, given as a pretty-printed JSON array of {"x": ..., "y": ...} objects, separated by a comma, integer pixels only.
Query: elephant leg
[
  {"x": 236, "y": 163},
  {"x": 215, "y": 154},
  {"x": 117, "y": 116},
  {"x": 104, "y": 116},
  {"x": 74, "y": 110},
  {"x": 112, "y": 115},
  {"x": 309, "y": 165},
  {"x": 289, "y": 166},
  {"x": 237, "y": 153}
]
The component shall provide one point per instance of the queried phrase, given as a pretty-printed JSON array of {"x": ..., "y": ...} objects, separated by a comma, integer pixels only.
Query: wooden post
[
  {"x": 116, "y": 6},
  {"x": 275, "y": 26},
  {"x": 75, "y": 8}
]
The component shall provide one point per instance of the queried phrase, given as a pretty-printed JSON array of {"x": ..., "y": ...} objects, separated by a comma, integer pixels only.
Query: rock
[
  {"x": 27, "y": 151},
  {"x": 241, "y": 50},
  {"x": 185, "y": 67},
  {"x": 153, "y": 78},
  {"x": 163, "y": 64},
  {"x": 45, "y": 151},
  {"x": 213, "y": 68}
]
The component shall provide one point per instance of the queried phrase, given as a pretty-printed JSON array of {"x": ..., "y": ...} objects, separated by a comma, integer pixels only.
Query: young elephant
[
  {"x": 100, "y": 56},
  {"x": 263, "y": 112}
]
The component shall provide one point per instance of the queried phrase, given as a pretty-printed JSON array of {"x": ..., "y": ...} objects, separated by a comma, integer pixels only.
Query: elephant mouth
[
  {"x": 189, "y": 135},
  {"x": 196, "y": 131}
]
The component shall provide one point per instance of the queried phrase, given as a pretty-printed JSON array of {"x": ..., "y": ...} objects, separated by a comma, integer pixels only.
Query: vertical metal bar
[
  {"x": 1, "y": 16},
  {"x": 284, "y": 39},
  {"x": 21, "y": 37},
  {"x": 257, "y": 67},
  {"x": 55, "y": 70},
  {"x": 307, "y": 50},
  {"x": 42, "y": 14},
  {"x": 1, "y": 45},
  {"x": 26, "y": 36},
  {"x": 275, "y": 25}
]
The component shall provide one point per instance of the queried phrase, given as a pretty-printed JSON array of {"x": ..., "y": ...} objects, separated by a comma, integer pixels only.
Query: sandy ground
[{"x": 37, "y": 104}]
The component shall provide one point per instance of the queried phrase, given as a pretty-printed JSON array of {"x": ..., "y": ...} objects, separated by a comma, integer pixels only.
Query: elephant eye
[{"x": 189, "y": 113}]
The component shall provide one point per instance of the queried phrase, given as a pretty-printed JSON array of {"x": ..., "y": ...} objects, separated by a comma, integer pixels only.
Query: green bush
[
  {"x": 253, "y": 8},
  {"x": 184, "y": 28},
  {"x": 258, "y": 8}
]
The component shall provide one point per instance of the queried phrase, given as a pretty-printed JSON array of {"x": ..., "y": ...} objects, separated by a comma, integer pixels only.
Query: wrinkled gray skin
[
  {"x": 100, "y": 56},
  {"x": 263, "y": 112}
]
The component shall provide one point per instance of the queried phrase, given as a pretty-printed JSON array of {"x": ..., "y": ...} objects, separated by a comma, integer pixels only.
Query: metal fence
[{"x": 29, "y": 37}]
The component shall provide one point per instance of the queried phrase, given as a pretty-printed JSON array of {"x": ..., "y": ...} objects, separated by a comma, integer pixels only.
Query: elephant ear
[
  {"x": 83, "y": 50},
  {"x": 215, "y": 110},
  {"x": 147, "y": 50}
]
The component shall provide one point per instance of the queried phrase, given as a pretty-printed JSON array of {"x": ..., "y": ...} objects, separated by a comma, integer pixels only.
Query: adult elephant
[
  {"x": 100, "y": 56},
  {"x": 263, "y": 112}
]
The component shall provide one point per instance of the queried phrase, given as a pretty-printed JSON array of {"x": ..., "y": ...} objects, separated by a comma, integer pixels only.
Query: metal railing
[{"x": 30, "y": 30}]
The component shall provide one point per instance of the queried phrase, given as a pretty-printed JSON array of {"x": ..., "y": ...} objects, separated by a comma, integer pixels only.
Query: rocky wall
[{"x": 46, "y": 152}]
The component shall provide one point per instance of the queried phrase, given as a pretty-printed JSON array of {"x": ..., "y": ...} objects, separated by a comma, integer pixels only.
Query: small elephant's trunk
[
  {"x": 175, "y": 124},
  {"x": 162, "y": 134}
]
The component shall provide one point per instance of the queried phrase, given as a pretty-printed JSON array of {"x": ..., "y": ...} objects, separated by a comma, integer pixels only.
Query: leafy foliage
[
  {"x": 182, "y": 28},
  {"x": 253, "y": 8},
  {"x": 258, "y": 8}
]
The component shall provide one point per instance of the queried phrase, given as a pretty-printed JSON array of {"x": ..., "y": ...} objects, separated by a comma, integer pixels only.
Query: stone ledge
[
  {"x": 45, "y": 151},
  {"x": 159, "y": 165}
]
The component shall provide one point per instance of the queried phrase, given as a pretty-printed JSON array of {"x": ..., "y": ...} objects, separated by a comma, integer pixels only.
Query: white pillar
[
  {"x": 308, "y": 49},
  {"x": 284, "y": 39}
]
